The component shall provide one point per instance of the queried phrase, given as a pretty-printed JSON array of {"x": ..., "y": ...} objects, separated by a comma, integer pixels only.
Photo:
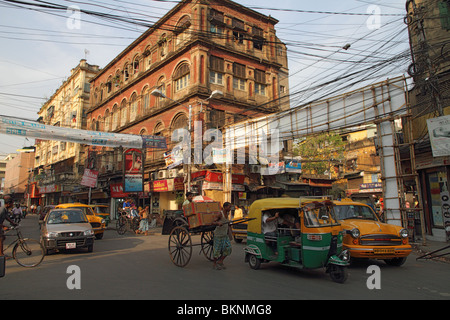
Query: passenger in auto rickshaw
[{"x": 270, "y": 222}]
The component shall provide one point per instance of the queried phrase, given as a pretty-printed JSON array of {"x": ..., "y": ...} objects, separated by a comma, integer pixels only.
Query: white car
[{"x": 66, "y": 229}]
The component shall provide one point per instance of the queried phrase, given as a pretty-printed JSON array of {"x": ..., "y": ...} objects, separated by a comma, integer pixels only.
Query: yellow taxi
[
  {"x": 367, "y": 237},
  {"x": 101, "y": 211},
  {"x": 97, "y": 223}
]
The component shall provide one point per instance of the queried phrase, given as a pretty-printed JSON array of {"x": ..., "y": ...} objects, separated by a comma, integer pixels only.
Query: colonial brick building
[
  {"x": 429, "y": 27},
  {"x": 197, "y": 48}
]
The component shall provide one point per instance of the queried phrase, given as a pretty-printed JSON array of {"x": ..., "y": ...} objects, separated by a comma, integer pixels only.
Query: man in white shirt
[
  {"x": 269, "y": 228},
  {"x": 270, "y": 223}
]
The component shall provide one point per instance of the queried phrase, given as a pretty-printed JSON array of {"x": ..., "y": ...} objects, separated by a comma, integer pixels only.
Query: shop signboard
[
  {"x": 439, "y": 132},
  {"x": 211, "y": 176},
  {"x": 117, "y": 190},
  {"x": 176, "y": 184},
  {"x": 445, "y": 203},
  {"x": 89, "y": 178},
  {"x": 51, "y": 188},
  {"x": 371, "y": 187}
]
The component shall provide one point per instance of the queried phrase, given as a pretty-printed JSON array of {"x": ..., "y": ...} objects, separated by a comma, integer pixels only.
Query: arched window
[
  {"x": 123, "y": 112},
  {"x": 162, "y": 87},
  {"x": 99, "y": 126},
  {"x": 181, "y": 77},
  {"x": 162, "y": 44},
  {"x": 182, "y": 30},
  {"x": 147, "y": 60},
  {"x": 180, "y": 121},
  {"x": 115, "y": 117},
  {"x": 157, "y": 154},
  {"x": 158, "y": 129},
  {"x": 126, "y": 72},
  {"x": 107, "y": 127},
  {"x": 136, "y": 65},
  {"x": 133, "y": 106},
  {"x": 145, "y": 105},
  {"x": 109, "y": 84}
]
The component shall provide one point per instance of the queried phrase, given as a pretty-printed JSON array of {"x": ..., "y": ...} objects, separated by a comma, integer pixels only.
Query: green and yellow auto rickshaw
[{"x": 307, "y": 235}]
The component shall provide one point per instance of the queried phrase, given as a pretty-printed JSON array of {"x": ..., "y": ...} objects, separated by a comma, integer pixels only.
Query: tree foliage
[{"x": 320, "y": 152}]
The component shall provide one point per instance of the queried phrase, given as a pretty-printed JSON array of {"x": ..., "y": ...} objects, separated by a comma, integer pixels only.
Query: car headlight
[
  {"x": 355, "y": 233},
  {"x": 103, "y": 221},
  {"x": 52, "y": 234},
  {"x": 404, "y": 233},
  {"x": 89, "y": 233}
]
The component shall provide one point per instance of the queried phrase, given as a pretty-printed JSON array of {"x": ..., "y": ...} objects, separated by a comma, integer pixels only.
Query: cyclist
[
  {"x": 4, "y": 216},
  {"x": 17, "y": 213}
]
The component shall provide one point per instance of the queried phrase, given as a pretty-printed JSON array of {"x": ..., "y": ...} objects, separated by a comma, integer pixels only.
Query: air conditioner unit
[
  {"x": 154, "y": 176},
  {"x": 255, "y": 169},
  {"x": 109, "y": 168},
  {"x": 173, "y": 173},
  {"x": 162, "y": 174}
]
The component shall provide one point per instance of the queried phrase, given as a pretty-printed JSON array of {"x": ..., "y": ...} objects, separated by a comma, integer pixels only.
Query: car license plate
[
  {"x": 383, "y": 251},
  {"x": 71, "y": 245}
]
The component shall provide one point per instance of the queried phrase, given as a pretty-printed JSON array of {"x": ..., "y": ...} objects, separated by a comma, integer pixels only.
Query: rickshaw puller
[{"x": 222, "y": 244}]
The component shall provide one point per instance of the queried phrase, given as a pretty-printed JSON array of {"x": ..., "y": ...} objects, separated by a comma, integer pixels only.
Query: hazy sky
[{"x": 39, "y": 47}]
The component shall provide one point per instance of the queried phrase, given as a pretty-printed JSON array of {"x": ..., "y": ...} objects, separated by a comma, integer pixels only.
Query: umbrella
[{"x": 202, "y": 199}]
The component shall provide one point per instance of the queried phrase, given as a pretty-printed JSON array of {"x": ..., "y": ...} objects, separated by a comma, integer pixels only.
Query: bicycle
[
  {"x": 28, "y": 253},
  {"x": 125, "y": 222}
]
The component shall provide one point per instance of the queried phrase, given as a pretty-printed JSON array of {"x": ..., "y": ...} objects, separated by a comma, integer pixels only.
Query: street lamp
[
  {"x": 158, "y": 93},
  {"x": 216, "y": 94}
]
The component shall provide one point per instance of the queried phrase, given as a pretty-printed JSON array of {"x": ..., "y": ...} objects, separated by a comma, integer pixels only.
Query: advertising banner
[
  {"x": 133, "y": 170},
  {"x": 439, "y": 132},
  {"x": 26, "y": 128}
]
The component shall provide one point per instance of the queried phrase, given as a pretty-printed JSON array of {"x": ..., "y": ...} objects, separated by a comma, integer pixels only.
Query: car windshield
[
  {"x": 87, "y": 210},
  {"x": 319, "y": 215},
  {"x": 354, "y": 212},
  {"x": 101, "y": 209},
  {"x": 66, "y": 216}
]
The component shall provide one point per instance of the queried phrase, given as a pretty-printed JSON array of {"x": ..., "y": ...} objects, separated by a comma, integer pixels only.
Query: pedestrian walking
[
  {"x": 143, "y": 225},
  {"x": 222, "y": 244}
]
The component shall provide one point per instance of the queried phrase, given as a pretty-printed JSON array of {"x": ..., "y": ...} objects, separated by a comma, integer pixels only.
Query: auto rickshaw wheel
[
  {"x": 254, "y": 262},
  {"x": 338, "y": 273},
  {"x": 180, "y": 246},
  {"x": 207, "y": 242}
]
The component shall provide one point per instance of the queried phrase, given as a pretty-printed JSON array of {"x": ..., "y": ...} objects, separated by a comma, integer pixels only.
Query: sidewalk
[{"x": 432, "y": 246}]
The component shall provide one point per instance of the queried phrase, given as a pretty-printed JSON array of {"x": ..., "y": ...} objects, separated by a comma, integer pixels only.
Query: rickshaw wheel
[
  {"x": 121, "y": 226},
  {"x": 254, "y": 262},
  {"x": 180, "y": 246},
  {"x": 207, "y": 241},
  {"x": 338, "y": 273}
]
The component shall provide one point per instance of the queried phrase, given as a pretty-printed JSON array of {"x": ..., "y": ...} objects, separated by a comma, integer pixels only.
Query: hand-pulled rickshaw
[
  {"x": 307, "y": 236},
  {"x": 196, "y": 219}
]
